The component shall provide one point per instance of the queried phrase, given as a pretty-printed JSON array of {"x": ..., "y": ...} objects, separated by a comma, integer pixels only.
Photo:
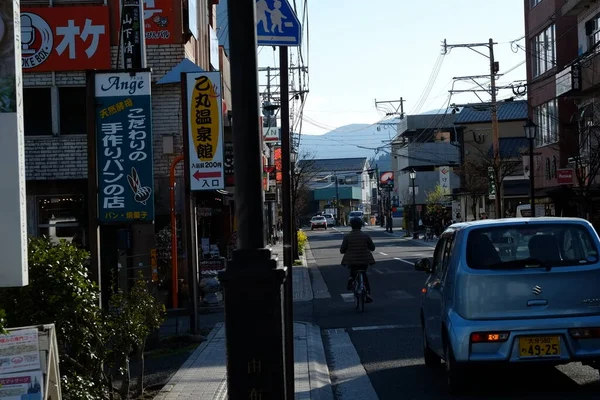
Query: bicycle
[{"x": 360, "y": 290}]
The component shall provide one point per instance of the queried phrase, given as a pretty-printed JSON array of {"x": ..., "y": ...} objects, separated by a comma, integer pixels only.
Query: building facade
[
  {"x": 476, "y": 124},
  {"x": 429, "y": 145},
  {"x": 63, "y": 40},
  {"x": 551, "y": 45},
  {"x": 346, "y": 180}
]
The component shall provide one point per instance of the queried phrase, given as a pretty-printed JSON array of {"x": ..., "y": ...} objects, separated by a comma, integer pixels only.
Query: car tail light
[
  {"x": 489, "y": 337},
  {"x": 585, "y": 333}
]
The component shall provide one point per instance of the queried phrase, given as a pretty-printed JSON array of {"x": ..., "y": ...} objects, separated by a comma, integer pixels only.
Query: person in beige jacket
[{"x": 356, "y": 248}]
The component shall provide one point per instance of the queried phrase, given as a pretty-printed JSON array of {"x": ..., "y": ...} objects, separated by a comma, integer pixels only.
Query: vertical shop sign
[
  {"x": 229, "y": 165},
  {"x": 132, "y": 34},
  {"x": 124, "y": 147},
  {"x": 278, "y": 164},
  {"x": 445, "y": 179},
  {"x": 13, "y": 230},
  {"x": 205, "y": 130}
]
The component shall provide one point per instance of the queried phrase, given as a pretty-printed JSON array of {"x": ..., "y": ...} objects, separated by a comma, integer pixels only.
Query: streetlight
[
  {"x": 413, "y": 175},
  {"x": 531, "y": 132}
]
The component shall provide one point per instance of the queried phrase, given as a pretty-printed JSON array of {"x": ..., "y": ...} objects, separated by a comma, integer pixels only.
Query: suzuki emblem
[{"x": 537, "y": 290}]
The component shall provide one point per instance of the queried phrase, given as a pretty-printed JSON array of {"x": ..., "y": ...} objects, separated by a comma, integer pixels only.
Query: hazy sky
[{"x": 386, "y": 49}]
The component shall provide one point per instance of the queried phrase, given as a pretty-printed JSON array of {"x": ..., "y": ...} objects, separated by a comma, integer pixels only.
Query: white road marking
[
  {"x": 383, "y": 254},
  {"x": 380, "y": 327},
  {"x": 377, "y": 270},
  {"x": 404, "y": 261},
  {"x": 347, "y": 297},
  {"x": 346, "y": 369}
]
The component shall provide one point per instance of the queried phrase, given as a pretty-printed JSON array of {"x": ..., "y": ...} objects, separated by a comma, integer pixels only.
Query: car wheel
[
  {"x": 431, "y": 358},
  {"x": 454, "y": 373}
]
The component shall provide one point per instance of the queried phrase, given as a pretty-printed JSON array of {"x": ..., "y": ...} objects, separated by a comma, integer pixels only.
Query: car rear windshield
[
  {"x": 355, "y": 214},
  {"x": 530, "y": 246},
  {"x": 318, "y": 218}
]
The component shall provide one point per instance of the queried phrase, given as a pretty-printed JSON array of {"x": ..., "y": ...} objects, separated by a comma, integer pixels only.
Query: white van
[{"x": 523, "y": 211}]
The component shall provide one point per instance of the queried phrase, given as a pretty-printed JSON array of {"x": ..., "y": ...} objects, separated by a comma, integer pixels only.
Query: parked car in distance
[
  {"x": 356, "y": 214},
  {"x": 511, "y": 291},
  {"x": 330, "y": 220},
  {"x": 318, "y": 221}
]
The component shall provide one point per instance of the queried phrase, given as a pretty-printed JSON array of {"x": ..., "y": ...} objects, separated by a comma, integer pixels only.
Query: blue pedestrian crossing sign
[{"x": 277, "y": 24}]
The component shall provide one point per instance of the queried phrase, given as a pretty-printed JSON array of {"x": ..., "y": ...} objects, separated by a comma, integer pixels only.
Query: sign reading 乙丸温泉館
[
  {"x": 13, "y": 229},
  {"x": 65, "y": 38},
  {"x": 205, "y": 130},
  {"x": 124, "y": 147}
]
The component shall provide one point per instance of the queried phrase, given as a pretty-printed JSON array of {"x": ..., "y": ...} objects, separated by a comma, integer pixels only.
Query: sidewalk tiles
[{"x": 204, "y": 376}]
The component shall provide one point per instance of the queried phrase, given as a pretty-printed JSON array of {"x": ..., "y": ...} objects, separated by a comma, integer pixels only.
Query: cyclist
[{"x": 356, "y": 248}]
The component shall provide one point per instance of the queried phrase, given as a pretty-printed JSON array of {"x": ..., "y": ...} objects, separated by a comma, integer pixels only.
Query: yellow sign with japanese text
[{"x": 205, "y": 130}]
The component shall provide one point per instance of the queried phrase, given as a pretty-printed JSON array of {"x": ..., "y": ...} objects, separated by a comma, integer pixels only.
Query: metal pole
[
  {"x": 495, "y": 130},
  {"x": 531, "y": 179},
  {"x": 287, "y": 220},
  {"x": 379, "y": 203},
  {"x": 252, "y": 282},
  {"x": 337, "y": 200},
  {"x": 415, "y": 235}
]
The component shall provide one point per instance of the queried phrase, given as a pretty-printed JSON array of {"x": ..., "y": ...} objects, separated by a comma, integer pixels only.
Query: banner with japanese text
[
  {"x": 124, "y": 147},
  {"x": 65, "y": 38},
  {"x": 205, "y": 130}
]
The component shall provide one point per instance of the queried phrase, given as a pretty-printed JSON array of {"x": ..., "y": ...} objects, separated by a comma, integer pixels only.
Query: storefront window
[{"x": 61, "y": 217}]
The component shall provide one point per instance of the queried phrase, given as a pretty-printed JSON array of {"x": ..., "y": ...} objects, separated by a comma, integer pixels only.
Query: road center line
[{"x": 404, "y": 261}]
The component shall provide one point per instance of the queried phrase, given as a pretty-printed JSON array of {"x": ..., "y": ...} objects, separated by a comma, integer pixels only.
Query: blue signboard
[
  {"x": 277, "y": 24},
  {"x": 124, "y": 147}
]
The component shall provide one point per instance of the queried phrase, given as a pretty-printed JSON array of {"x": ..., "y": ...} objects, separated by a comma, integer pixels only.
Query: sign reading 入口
[
  {"x": 124, "y": 147},
  {"x": 205, "y": 130},
  {"x": 65, "y": 38}
]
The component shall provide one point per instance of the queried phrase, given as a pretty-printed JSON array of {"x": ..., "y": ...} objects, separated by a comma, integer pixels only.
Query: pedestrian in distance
[{"x": 356, "y": 248}]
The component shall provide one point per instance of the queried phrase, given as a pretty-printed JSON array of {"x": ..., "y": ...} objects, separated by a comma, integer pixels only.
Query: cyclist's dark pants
[{"x": 354, "y": 268}]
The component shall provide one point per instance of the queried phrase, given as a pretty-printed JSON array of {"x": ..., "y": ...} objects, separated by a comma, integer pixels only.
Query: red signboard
[
  {"x": 278, "y": 164},
  {"x": 564, "y": 176},
  {"x": 159, "y": 20},
  {"x": 65, "y": 38}
]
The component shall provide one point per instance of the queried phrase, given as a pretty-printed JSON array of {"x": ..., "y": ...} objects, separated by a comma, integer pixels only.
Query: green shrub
[{"x": 61, "y": 292}]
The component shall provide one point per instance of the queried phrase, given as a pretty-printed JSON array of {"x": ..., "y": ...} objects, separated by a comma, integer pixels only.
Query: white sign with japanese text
[
  {"x": 205, "y": 130},
  {"x": 445, "y": 179},
  {"x": 19, "y": 351}
]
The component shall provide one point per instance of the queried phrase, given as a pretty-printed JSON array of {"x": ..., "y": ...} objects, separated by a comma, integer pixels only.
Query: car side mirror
[{"x": 423, "y": 265}]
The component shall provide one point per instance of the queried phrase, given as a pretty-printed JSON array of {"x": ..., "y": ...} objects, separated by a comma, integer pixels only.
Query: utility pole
[
  {"x": 396, "y": 107},
  {"x": 494, "y": 68},
  {"x": 252, "y": 281},
  {"x": 337, "y": 200}
]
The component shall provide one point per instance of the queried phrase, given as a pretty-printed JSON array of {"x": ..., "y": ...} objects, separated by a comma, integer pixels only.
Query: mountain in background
[{"x": 354, "y": 140}]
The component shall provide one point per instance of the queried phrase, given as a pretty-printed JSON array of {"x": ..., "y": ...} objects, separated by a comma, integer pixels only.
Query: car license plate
[{"x": 539, "y": 346}]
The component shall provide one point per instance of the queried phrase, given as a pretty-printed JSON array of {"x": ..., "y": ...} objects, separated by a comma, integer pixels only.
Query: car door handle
[{"x": 533, "y": 303}]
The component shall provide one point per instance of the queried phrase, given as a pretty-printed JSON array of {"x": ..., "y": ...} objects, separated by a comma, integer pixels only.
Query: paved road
[{"x": 387, "y": 340}]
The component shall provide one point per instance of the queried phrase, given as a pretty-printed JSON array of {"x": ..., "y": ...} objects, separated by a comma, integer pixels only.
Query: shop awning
[{"x": 174, "y": 75}]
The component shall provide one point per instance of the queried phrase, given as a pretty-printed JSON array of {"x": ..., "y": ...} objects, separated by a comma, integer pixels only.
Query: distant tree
[
  {"x": 587, "y": 164},
  {"x": 302, "y": 175},
  {"x": 474, "y": 182},
  {"x": 435, "y": 200}
]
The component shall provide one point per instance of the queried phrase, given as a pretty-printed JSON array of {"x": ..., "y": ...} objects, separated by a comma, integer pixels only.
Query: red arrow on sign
[{"x": 199, "y": 175}]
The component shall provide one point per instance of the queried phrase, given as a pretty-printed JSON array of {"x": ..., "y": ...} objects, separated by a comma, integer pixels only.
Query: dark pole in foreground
[
  {"x": 252, "y": 282},
  {"x": 531, "y": 179},
  {"x": 287, "y": 219},
  {"x": 415, "y": 222}
]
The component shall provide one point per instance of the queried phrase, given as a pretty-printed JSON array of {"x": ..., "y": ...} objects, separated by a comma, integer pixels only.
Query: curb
[{"x": 318, "y": 371}]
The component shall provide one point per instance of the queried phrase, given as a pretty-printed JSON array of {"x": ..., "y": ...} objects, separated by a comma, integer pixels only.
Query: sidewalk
[{"x": 204, "y": 376}]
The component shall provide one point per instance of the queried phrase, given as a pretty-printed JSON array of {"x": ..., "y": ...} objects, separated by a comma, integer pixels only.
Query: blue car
[{"x": 511, "y": 291}]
